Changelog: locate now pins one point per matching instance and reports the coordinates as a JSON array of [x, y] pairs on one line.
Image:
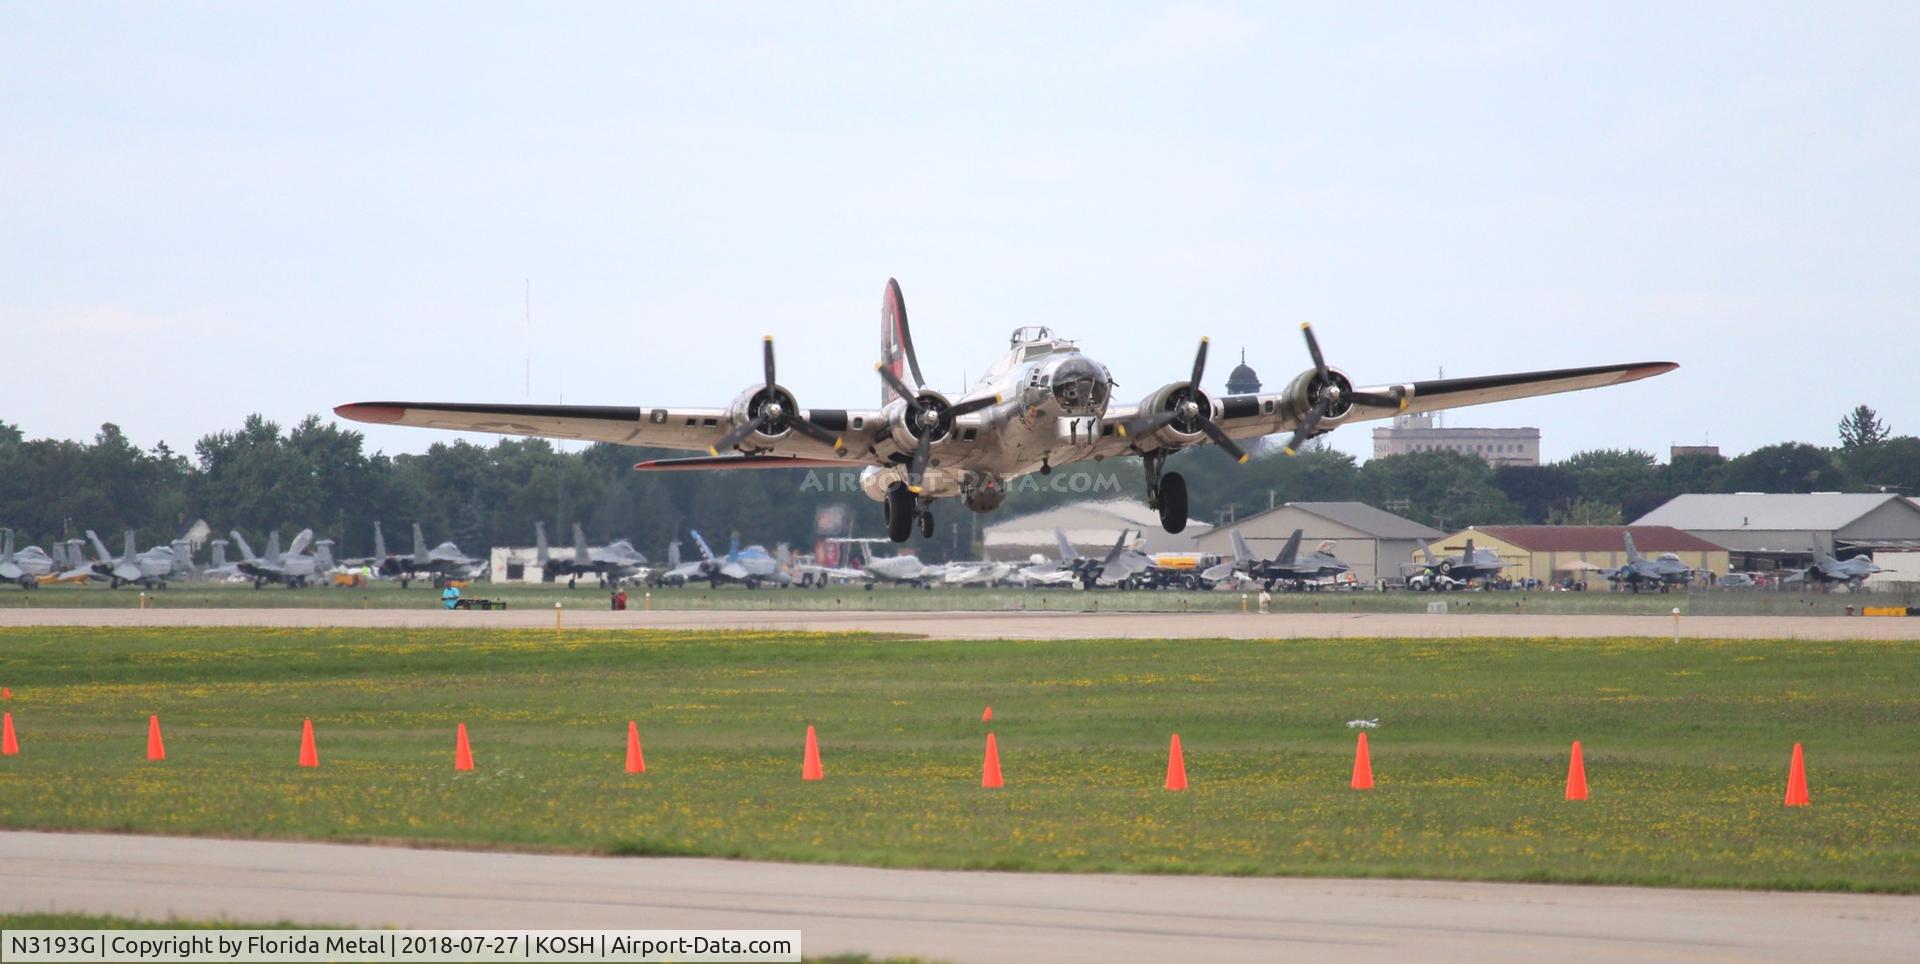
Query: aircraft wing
[[1254, 416], [685, 429]]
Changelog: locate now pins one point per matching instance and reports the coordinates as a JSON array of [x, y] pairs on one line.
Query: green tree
[[1585, 512], [1862, 428], [1446, 490], [1893, 464], [1786, 467], [1612, 476]]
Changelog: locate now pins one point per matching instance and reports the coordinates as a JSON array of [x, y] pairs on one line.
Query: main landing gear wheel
[[899, 509], [1173, 502], [926, 525]]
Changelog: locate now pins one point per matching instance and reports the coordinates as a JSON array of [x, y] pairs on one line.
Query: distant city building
[[1418, 433], [1707, 450], [1243, 381]]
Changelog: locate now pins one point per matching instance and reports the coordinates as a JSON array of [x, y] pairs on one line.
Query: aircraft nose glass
[[1079, 389]]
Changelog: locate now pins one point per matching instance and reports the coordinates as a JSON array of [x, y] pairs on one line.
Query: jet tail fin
[[1466, 555], [705, 552], [896, 342], [99, 548], [1291, 550], [1242, 553], [246, 551], [582, 555], [323, 555], [379, 545], [540, 556], [1067, 552], [1633, 552], [673, 554], [300, 542], [419, 545], [219, 552], [6, 554], [132, 548]]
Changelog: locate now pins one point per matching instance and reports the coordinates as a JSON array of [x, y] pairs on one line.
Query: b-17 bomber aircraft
[[1044, 404]]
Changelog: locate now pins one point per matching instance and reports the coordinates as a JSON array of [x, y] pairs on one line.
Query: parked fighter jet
[[1289, 569], [25, 567], [1830, 571], [611, 563], [443, 562], [677, 573], [751, 567], [1043, 404], [1452, 572], [1115, 569], [219, 568], [1663, 572], [902, 569], [150, 569], [293, 569], [70, 564]]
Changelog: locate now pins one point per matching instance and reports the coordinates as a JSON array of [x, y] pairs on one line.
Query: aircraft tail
[[705, 552], [419, 546], [273, 547], [1242, 553], [1466, 556], [733, 547], [379, 545], [1633, 552], [6, 553], [1067, 552], [246, 551], [896, 342], [132, 548], [1823, 550], [219, 552], [59, 555], [540, 555], [301, 542], [1290, 551], [582, 555], [323, 555], [99, 548], [183, 554], [1426, 553], [673, 554]]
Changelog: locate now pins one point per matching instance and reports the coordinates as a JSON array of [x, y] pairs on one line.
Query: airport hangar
[[1091, 527], [1373, 541], [1766, 531], [1550, 553]]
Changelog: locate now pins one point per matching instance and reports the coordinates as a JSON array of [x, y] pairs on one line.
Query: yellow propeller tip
[[1306, 325], [1289, 450], [1120, 430], [913, 489], [839, 443], [1204, 339], [1403, 404], [997, 399], [713, 451], [1243, 457], [766, 337]]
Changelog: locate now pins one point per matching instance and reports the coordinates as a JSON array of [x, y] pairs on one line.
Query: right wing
[[684, 429]]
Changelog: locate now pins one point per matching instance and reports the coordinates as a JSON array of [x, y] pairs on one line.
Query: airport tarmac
[[944, 915], [1020, 624]]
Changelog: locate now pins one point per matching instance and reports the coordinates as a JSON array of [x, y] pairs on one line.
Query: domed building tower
[[1243, 381]]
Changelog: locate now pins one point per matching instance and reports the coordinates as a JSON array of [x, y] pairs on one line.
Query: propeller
[[1183, 405], [772, 417], [1327, 394], [927, 415]]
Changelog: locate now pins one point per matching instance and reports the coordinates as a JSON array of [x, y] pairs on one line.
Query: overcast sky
[[211, 210]]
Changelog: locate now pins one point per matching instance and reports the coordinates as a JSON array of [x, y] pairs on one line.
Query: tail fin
[[1242, 553], [246, 551], [99, 548], [1290, 551], [1466, 555], [540, 556], [132, 549], [896, 342], [6, 554], [1633, 553], [59, 555], [705, 552], [581, 554], [1067, 552], [419, 545], [379, 545], [273, 547], [183, 555], [219, 552], [1426, 553], [673, 554], [1823, 549], [733, 546], [301, 542], [1118, 545], [323, 555]]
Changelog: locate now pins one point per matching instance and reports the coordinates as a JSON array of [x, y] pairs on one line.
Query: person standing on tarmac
[[450, 596]]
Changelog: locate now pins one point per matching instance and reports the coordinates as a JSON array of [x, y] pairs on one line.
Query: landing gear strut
[[1166, 492]]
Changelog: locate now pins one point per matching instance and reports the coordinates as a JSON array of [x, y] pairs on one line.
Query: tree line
[[262, 477]]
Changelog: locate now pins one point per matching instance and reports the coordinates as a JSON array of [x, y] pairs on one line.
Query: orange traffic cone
[[1797, 780], [309, 754], [156, 747], [9, 744], [1362, 766], [636, 761], [987, 717], [5, 693], [810, 767], [1176, 765], [990, 769], [462, 753], [1577, 775]]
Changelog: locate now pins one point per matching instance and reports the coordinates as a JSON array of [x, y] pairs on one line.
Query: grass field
[[520, 595], [1686, 750]]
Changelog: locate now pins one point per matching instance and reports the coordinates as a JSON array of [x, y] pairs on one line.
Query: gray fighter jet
[[1452, 572], [151, 569], [1289, 569], [614, 562], [1662, 572], [25, 567], [294, 568], [1829, 571], [442, 563]]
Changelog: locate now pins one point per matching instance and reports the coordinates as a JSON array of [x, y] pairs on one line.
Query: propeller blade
[[893, 381], [818, 434], [733, 438], [1144, 425], [767, 350], [1199, 363], [1313, 348], [1304, 431], [922, 450], [1222, 439], [972, 405]]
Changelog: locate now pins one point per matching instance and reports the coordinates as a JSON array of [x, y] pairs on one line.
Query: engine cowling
[[1308, 387], [928, 415], [1182, 430], [752, 403]]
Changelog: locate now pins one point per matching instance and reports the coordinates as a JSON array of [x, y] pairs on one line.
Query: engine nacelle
[[1183, 430], [1308, 387], [931, 408], [749, 405]]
